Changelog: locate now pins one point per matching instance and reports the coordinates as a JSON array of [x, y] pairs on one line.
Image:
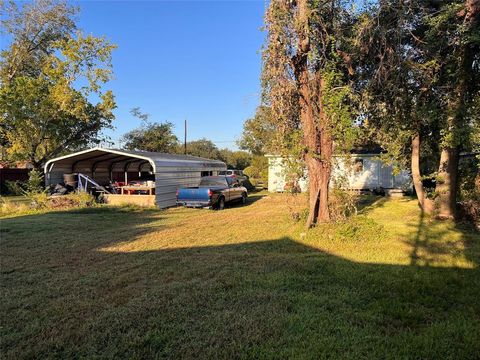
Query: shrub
[[256, 175], [342, 204], [296, 206], [248, 185], [35, 182], [39, 200], [42, 202], [252, 172], [16, 188], [470, 211], [33, 185], [79, 199], [354, 229], [469, 180]]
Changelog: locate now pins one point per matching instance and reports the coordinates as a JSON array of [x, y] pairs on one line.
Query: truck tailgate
[[192, 195]]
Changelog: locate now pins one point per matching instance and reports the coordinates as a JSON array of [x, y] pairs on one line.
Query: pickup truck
[[213, 192]]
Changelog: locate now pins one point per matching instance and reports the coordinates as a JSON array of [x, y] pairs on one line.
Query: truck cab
[[212, 192]]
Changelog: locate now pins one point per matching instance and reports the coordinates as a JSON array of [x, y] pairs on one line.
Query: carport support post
[[126, 178]]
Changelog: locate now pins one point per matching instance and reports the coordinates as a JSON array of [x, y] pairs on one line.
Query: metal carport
[[171, 171]]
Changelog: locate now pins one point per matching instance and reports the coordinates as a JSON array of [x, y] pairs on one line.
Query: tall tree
[[49, 74], [421, 69], [306, 77], [150, 136], [259, 133], [453, 42]]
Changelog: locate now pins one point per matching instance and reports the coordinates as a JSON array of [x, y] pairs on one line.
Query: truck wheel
[[221, 204], [244, 199]]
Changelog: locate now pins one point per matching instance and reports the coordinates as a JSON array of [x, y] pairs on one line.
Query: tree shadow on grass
[[57, 231], [430, 240], [251, 199], [435, 239], [273, 298], [368, 202], [254, 197]]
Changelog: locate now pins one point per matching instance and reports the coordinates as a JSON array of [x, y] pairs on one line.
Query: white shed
[[366, 172], [167, 171]]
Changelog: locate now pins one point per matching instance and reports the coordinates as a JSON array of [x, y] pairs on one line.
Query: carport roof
[[98, 154]]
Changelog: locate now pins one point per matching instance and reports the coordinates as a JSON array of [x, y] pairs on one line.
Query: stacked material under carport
[[171, 171]]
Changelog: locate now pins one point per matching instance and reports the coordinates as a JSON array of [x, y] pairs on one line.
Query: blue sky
[[198, 60]]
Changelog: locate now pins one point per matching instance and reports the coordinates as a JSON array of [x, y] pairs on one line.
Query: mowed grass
[[240, 283]]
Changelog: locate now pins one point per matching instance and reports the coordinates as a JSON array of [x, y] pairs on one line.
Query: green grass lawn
[[240, 283]]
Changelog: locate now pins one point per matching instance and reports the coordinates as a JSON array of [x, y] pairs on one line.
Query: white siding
[[373, 175], [276, 175]]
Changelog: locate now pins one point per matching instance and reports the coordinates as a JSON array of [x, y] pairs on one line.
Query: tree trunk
[[317, 190], [323, 210], [319, 143], [448, 168], [427, 205], [316, 134], [314, 190], [309, 127], [447, 183], [326, 153]]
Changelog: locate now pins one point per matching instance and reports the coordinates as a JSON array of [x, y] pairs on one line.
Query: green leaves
[[157, 137], [259, 132], [50, 73], [337, 98]]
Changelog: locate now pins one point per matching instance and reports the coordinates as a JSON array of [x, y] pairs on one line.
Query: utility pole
[[185, 140]]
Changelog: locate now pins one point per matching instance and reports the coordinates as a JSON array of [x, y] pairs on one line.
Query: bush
[[256, 177], [296, 207], [42, 202], [249, 185], [33, 185], [355, 229], [252, 172], [10, 208], [469, 180], [470, 211], [16, 188], [342, 204], [39, 200], [79, 199], [35, 182], [258, 171]]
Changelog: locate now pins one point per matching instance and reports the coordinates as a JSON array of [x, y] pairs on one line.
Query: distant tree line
[[159, 137]]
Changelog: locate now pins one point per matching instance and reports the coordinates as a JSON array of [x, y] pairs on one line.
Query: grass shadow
[[435, 239], [269, 298]]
